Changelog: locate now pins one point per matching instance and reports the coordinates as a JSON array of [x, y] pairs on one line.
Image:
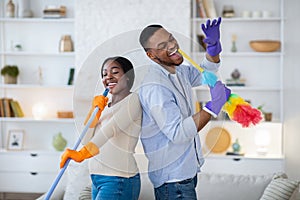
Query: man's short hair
[[147, 33]]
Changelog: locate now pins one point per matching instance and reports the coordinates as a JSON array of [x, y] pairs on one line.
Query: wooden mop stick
[[191, 60]]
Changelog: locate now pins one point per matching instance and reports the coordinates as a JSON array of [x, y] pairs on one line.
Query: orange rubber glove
[[88, 151], [101, 102]]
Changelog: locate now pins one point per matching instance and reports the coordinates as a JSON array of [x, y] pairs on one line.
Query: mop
[[236, 107], [58, 177]]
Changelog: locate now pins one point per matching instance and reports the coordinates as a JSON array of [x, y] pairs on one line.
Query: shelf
[[24, 53], [247, 156], [32, 120], [243, 54], [31, 86], [243, 88], [38, 20], [30, 151], [230, 123], [240, 19]]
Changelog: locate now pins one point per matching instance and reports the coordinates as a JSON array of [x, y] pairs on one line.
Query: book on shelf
[[10, 108], [210, 9], [17, 110], [200, 9], [54, 12], [1, 108], [7, 108]]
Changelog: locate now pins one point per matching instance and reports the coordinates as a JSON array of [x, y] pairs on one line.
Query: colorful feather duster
[[236, 107]]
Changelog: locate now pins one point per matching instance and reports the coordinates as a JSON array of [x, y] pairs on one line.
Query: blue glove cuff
[[207, 108]]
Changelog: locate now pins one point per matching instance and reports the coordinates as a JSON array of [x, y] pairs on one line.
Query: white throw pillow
[[280, 188], [78, 179], [86, 193]]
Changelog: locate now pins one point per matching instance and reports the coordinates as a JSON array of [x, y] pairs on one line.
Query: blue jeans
[[115, 187], [178, 190]]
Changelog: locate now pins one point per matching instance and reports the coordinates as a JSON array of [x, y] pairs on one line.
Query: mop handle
[[58, 177], [191, 60]]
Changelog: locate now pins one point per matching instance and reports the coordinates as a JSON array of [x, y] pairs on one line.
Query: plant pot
[[10, 79], [268, 117]]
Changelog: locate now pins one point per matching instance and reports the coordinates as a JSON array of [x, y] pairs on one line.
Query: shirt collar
[[162, 69]]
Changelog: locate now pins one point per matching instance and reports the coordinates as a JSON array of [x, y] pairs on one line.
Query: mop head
[[237, 108], [241, 111]]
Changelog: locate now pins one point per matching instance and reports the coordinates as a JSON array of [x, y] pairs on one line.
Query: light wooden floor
[[18, 196]]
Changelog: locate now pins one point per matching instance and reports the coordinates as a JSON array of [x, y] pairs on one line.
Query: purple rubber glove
[[219, 95], [212, 32]]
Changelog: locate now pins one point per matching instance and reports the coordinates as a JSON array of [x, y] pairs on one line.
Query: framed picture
[[15, 139]]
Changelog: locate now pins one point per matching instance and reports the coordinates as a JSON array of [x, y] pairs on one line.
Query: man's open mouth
[[173, 52]]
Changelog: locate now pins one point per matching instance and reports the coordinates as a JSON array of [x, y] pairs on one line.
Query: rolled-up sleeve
[[210, 66]]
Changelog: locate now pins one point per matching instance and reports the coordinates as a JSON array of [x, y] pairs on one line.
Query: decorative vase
[[10, 79], [59, 142], [236, 147], [233, 47], [65, 44], [268, 116], [235, 74], [24, 8], [10, 9]]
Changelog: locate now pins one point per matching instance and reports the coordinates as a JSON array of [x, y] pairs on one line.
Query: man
[[170, 127]]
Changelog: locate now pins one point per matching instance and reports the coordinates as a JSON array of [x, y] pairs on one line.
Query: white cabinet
[[43, 80], [27, 171], [242, 165], [34, 168]]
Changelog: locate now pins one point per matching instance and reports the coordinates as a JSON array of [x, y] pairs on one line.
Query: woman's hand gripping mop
[[237, 108], [87, 151]]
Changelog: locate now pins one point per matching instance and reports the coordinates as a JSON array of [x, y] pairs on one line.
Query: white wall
[[97, 21], [292, 89], [105, 28]]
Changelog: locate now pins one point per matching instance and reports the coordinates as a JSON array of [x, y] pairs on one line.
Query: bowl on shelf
[[65, 114], [265, 45]]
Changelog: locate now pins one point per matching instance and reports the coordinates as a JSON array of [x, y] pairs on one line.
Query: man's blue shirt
[[169, 134]]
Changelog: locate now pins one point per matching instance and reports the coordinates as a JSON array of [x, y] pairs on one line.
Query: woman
[[113, 169]]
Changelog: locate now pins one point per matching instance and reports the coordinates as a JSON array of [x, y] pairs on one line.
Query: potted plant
[[267, 115], [10, 73], [18, 47]]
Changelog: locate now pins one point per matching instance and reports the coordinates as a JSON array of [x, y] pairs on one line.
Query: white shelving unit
[[39, 38], [262, 71]]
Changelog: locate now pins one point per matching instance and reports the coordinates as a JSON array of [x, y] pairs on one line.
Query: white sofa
[[211, 186]]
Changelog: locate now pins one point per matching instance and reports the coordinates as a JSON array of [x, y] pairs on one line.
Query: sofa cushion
[[225, 186], [77, 179], [280, 188], [86, 193]]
